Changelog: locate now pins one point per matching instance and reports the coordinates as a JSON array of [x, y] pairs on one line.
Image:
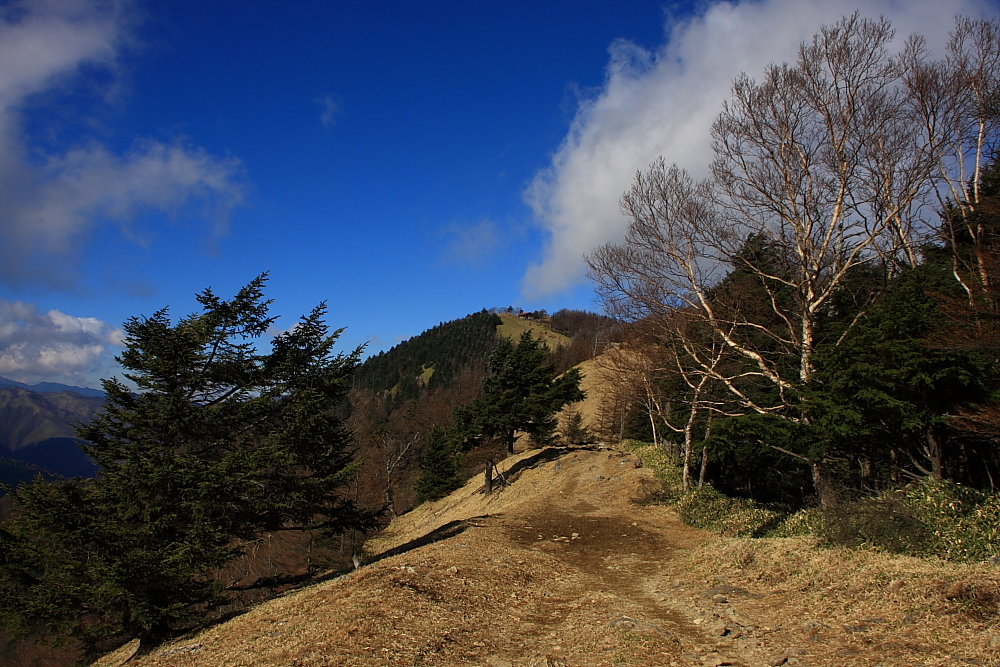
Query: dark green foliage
[[447, 348], [222, 443], [439, 466], [521, 393], [884, 392], [883, 521], [14, 473], [878, 403], [747, 463]]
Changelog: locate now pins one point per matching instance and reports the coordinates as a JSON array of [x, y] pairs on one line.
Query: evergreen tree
[[221, 443], [521, 393], [439, 466]]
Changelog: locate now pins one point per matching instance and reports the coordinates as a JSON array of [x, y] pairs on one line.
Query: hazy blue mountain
[[15, 472], [40, 429], [51, 388]]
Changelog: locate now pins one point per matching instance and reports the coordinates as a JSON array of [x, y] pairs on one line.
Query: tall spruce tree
[[521, 393], [439, 465], [221, 443]]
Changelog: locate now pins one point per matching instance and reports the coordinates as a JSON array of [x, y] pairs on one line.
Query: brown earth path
[[564, 567]]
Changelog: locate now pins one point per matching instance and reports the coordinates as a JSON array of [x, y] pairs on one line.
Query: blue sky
[[408, 163]]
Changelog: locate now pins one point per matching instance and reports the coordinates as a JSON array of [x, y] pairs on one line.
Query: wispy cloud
[[36, 345], [663, 102], [331, 106], [469, 243], [50, 202]]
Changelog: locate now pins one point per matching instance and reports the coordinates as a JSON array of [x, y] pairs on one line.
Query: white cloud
[[53, 346], [664, 102], [49, 204]]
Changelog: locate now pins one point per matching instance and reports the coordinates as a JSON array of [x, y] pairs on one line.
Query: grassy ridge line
[[926, 518], [513, 326]]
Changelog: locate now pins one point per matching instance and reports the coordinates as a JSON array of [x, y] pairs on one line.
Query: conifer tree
[[521, 393], [575, 433], [439, 466], [221, 443]]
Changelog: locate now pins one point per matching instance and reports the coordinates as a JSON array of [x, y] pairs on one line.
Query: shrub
[[964, 523], [884, 522]]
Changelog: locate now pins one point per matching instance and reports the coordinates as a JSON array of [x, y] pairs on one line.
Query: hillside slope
[[27, 417], [40, 429], [563, 568], [513, 326]]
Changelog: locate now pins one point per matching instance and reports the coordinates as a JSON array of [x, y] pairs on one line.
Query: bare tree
[[835, 164], [820, 168], [956, 104], [655, 362], [820, 162]]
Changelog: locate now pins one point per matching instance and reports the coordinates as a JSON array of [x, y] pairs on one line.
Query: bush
[[659, 461], [709, 509], [883, 522], [964, 523], [807, 521], [927, 518]]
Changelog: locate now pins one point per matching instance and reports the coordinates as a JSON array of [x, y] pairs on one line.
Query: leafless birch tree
[[822, 167], [956, 103]]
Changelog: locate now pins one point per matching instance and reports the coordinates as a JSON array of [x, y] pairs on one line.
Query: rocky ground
[[570, 565]]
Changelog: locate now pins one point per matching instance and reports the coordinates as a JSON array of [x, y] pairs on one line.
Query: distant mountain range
[[38, 430], [51, 388]]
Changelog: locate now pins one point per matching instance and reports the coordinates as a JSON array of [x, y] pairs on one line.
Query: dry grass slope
[[571, 565], [513, 326]]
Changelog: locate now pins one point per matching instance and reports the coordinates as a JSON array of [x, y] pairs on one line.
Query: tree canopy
[[798, 295], [220, 443], [520, 393]]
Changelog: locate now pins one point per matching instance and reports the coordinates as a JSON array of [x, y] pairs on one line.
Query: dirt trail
[[561, 568]]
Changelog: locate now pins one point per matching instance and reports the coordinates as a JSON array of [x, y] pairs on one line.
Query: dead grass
[[897, 609], [513, 326], [566, 567]]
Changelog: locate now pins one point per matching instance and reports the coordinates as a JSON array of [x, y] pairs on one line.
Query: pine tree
[[575, 433], [220, 443]]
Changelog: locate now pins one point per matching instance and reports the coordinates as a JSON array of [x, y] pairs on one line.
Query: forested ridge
[[399, 396], [438, 354]]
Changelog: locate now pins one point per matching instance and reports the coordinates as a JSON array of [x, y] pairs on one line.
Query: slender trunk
[[151, 638], [805, 361], [686, 466], [704, 466], [652, 423], [935, 455], [488, 488], [390, 501], [704, 453], [688, 445], [865, 467]]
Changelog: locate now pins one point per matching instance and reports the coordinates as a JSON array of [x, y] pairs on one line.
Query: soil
[[572, 565]]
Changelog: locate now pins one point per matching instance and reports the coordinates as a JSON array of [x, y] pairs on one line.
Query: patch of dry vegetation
[[578, 562], [860, 603], [513, 326]]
